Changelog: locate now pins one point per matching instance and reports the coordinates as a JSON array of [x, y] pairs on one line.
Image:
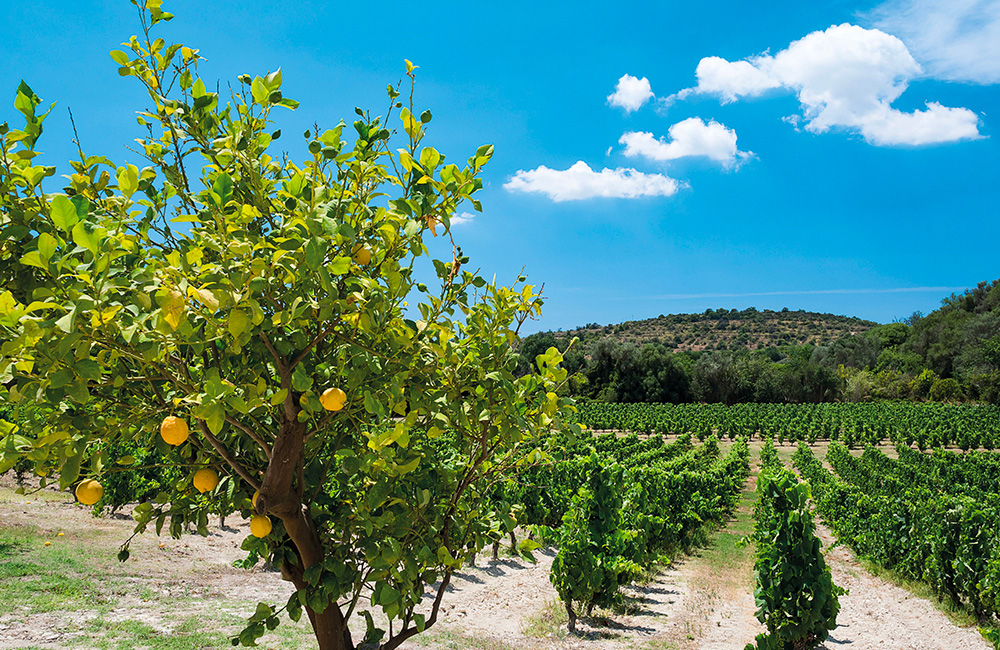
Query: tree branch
[[226, 456]]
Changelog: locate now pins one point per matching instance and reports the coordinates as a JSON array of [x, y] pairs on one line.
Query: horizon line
[[805, 292]]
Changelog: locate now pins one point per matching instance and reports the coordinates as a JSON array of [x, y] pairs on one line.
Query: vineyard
[[926, 426], [931, 518], [615, 506]]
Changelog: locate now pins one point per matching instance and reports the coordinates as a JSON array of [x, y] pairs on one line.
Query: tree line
[[951, 354]]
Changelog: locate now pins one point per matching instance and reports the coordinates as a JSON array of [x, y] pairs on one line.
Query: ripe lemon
[[253, 499], [362, 255], [174, 430], [260, 526], [205, 479], [333, 399], [89, 492]]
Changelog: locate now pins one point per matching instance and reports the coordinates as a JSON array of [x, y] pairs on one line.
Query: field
[[186, 593]]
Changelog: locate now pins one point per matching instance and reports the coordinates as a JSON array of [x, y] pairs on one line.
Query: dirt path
[[879, 615]]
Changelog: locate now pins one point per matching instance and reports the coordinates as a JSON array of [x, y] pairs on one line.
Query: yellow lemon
[[260, 526], [333, 399], [205, 479], [362, 255], [61, 535], [174, 430], [89, 492], [48, 543], [253, 499]]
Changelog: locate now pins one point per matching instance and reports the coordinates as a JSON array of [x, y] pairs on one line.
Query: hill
[[723, 329]]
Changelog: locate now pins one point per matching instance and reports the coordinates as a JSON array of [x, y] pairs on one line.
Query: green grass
[[128, 634], [39, 578], [549, 623], [455, 641], [80, 576]]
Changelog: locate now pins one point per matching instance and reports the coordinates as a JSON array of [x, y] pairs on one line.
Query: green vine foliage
[[795, 594], [592, 563]]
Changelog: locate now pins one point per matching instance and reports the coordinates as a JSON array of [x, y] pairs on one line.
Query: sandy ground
[[509, 601]]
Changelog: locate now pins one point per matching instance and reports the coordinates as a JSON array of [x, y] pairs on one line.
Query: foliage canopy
[[230, 286]]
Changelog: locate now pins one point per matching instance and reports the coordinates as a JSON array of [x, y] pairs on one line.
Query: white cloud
[[462, 219], [582, 182], [846, 77], [690, 137], [935, 125], [631, 93], [730, 79], [957, 40]]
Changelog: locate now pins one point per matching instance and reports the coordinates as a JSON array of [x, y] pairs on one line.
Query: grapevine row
[[927, 425]]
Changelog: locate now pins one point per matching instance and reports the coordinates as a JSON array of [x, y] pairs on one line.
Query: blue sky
[[651, 158]]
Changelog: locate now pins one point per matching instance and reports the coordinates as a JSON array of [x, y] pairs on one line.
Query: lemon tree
[[207, 301]]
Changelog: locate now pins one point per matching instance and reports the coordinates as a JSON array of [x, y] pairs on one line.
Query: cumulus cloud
[[730, 80], [582, 182], [936, 125], [957, 40], [690, 137], [462, 219], [846, 77], [631, 93]]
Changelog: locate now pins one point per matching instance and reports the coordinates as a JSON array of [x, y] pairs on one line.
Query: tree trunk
[[329, 625], [277, 497], [513, 543], [496, 550], [572, 616]]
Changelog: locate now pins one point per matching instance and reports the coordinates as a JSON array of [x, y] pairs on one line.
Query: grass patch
[[39, 578], [551, 622], [129, 633], [455, 641]]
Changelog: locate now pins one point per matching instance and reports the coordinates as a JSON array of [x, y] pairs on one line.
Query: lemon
[[174, 430], [362, 255], [333, 399], [89, 492], [253, 499], [260, 526], [205, 479]]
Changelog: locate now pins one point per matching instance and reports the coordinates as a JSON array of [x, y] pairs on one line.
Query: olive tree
[[271, 308]]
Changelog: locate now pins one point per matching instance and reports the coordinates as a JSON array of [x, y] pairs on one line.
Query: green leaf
[[301, 379], [223, 188], [47, 246], [119, 57], [128, 180], [172, 307], [88, 369], [214, 415], [239, 322], [68, 322], [70, 470], [339, 265], [33, 258], [315, 252], [85, 236], [64, 213], [259, 91]]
